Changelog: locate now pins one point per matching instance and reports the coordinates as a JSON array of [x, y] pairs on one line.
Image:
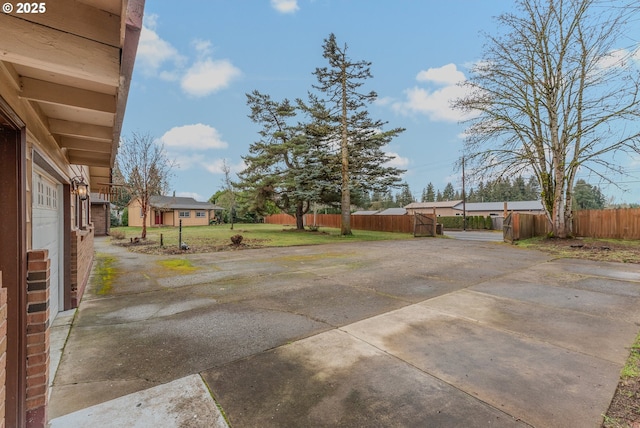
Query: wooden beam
[[12, 75], [81, 130], [131, 37], [88, 22], [85, 145], [38, 46], [79, 157], [53, 93]]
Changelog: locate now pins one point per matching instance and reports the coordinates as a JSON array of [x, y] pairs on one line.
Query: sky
[[197, 59]]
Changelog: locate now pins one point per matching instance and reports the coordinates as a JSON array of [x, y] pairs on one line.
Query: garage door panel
[[46, 231]]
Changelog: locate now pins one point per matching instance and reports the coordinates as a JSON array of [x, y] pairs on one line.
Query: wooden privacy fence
[[518, 226], [380, 223], [616, 224]]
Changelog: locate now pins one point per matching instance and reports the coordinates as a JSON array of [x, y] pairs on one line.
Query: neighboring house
[[169, 210], [442, 208], [496, 209], [456, 208], [392, 211], [64, 81], [365, 212]]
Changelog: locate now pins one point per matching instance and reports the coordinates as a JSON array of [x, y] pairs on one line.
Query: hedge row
[[473, 222]]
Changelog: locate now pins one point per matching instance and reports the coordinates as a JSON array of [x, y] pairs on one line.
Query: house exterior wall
[[81, 261], [192, 220], [440, 211], [3, 352], [38, 331], [170, 217], [135, 219], [101, 218], [23, 402]]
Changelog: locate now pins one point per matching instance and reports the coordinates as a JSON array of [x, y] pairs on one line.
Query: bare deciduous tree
[[146, 169], [555, 93]]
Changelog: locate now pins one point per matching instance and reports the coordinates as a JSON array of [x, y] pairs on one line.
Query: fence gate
[[424, 225], [507, 228]]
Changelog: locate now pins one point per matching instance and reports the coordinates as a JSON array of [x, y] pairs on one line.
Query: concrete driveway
[[425, 332]]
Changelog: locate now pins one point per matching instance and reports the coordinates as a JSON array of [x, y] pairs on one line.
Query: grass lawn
[[218, 237]]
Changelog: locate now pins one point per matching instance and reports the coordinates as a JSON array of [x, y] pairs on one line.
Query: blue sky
[[197, 60]]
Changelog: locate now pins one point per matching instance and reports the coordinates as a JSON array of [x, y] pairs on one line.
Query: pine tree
[[279, 166], [347, 121], [448, 194]]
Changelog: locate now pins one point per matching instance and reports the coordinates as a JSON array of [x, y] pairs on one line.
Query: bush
[[115, 222], [125, 217], [236, 239], [117, 234], [488, 223]]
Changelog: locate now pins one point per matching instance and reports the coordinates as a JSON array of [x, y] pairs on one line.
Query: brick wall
[[101, 219], [3, 351], [81, 259], [38, 268]]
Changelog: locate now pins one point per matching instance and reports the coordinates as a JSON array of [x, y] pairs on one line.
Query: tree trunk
[[300, 215], [345, 203]]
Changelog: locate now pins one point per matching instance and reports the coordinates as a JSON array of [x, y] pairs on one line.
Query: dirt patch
[[153, 247], [589, 249], [624, 410]]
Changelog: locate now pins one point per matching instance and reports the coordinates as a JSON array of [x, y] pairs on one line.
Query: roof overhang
[[71, 67]]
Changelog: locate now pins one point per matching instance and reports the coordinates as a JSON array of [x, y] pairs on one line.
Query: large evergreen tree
[[347, 124], [279, 166]]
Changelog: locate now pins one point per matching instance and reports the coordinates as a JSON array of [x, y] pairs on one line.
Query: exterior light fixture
[[80, 188]]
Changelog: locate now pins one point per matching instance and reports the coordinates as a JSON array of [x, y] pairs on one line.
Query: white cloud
[[194, 195], [154, 52], [435, 103], [208, 76], [194, 137], [285, 6], [157, 57], [445, 75], [215, 166], [203, 47], [185, 161], [397, 161]]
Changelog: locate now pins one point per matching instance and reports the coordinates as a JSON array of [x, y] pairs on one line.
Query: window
[[201, 214], [184, 214]]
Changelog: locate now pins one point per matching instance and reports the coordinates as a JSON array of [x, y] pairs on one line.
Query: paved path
[[426, 332], [475, 235]]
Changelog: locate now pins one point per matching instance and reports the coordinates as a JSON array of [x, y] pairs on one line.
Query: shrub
[[236, 239], [488, 223], [117, 234], [125, 217]]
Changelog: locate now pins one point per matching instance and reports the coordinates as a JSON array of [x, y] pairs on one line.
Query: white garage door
[[47, 232]]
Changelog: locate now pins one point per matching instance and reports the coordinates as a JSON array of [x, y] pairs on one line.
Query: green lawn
[[265, 235]]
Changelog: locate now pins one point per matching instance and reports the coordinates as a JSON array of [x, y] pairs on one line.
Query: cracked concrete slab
[[434, 332]]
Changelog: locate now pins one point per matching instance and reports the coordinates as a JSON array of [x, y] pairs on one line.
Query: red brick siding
[[81, 259], [3, 352], [38, 268]]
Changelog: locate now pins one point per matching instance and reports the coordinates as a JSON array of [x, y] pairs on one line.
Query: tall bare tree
[[229, 188], [146, 169], [556, 92]]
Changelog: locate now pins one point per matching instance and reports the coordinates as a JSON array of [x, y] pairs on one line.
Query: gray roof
[[440, 204], [393, 211], [499, 206], [363, 212], [178, 202]]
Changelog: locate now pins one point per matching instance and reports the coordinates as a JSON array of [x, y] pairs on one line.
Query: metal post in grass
[[180, 235], [161, 241]]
